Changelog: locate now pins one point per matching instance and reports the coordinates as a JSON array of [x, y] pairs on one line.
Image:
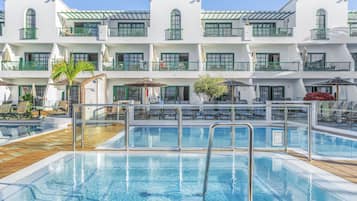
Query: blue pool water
[[12, 132], [264, 137], [171, 177]]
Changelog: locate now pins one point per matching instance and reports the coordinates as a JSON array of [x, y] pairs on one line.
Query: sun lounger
[[5, 111]]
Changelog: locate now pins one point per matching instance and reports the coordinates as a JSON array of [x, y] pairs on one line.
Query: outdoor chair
[[5, 111], [22, 110], [60, 109]]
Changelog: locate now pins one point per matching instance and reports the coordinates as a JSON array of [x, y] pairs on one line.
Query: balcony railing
[[227, 66], [173, 34], [127, 32], [353, 31], [328, 66], [319, 34], [223, 32], [23, 66], [125, 66], [175, 66], [28, 33], [273, 32], [79, 32], [277, 66]]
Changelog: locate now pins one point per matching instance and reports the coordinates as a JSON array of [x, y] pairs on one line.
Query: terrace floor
[[18, 155]]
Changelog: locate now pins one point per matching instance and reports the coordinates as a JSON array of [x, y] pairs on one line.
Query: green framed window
[[36, 60], [75, 94], [89, 57], [220, 61], [323, 89], [175, 61], [218, 29], [30, 19], [264, 29], [129, 61], [86, 28], [267, 61], [315, 61], [131, 29], [175, 94], [27, 89], [127, 93], [271, 93], [321, 19]]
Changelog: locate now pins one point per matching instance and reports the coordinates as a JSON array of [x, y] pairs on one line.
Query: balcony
[[328, 66], [28, 34], [278, 66], [228, 66], [173, 34], [78, 32], [125, 66], [353, 31], [223, 32], [319, 34], [273, 32], [23, 66], [129, 32], [175, 66]]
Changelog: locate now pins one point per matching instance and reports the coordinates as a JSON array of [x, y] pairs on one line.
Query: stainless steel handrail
[[180, 128], [127, 127], [250, 156]]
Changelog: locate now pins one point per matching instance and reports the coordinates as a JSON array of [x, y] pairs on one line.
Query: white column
[[151, 57]]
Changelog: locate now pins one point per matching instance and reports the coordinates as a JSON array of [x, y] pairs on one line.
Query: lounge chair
[[22, 110], [60, 109], [5, 110]]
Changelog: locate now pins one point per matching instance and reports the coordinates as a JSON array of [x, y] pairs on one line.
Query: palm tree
[[69, 71]]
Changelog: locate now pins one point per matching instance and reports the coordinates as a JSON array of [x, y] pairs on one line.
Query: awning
[[245, 15], [105, 15]]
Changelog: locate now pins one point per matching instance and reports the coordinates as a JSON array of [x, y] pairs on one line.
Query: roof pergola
[[105, 15], [245, 15]]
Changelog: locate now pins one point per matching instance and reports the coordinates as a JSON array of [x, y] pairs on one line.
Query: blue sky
[[207, 4]]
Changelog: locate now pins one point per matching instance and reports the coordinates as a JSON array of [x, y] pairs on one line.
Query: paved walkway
[[18, 155]]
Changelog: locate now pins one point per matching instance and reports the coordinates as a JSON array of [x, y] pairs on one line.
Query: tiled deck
[[19, 155]]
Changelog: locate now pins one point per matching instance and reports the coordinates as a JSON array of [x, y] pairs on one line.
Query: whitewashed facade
[[282, 53]]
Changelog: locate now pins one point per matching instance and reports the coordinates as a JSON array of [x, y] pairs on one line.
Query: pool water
[[12, 132], [173, 177], [324, 144]]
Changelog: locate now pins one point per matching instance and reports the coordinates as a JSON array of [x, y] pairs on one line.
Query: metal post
[[179, 127], [286, 113], [74, 129], [83, 125], [127, 116], [250, 156], [309, 133], [233, 130]]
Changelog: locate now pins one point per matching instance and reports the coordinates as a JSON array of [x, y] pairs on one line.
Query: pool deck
[[18, 155]]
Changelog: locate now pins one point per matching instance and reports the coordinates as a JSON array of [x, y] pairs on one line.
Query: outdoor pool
[[13, 132], [324, 144], [114, 176]]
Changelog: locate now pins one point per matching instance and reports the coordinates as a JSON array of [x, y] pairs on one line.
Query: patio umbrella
[[146, 83], [233, 84], [6, 56], [64, 83], [337, 82]]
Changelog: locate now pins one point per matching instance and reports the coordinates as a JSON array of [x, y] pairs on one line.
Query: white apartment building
[[281, 53]]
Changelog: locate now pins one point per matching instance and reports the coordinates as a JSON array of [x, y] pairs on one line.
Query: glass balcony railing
[[124, 66], [273, 32], [28, 33], [353, 31], [227, 66], [328, 66], [223, 32], [319, 34], [23, 66], [79, 32], [173, 34], [277, 66], [175, 66], [127, 32]]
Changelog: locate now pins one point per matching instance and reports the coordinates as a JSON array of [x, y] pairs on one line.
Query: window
[[271, 93], [354, 56], [218, 29], [220, 61], [321, 19], [315, 61], [30, 19], [175, 94], [323, 89], [127, 93], [27, 89], [130, 61], [353, 29], [39, 60], [90, 57], [131, 29], [86, 28], [268, 61], [263, 29], [174, 61], [175, 19]]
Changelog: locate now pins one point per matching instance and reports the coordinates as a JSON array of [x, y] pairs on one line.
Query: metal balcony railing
[[127, 66], [273, 32], [223, 32], [353, 31], [173, 34], [319, 34], [79, 32], [23, 66], [28, 33], [175, 66], [277, 66], [227, 66], [328, 66], [127, 32]]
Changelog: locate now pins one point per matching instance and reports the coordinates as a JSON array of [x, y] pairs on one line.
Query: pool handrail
[[250, 155]]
